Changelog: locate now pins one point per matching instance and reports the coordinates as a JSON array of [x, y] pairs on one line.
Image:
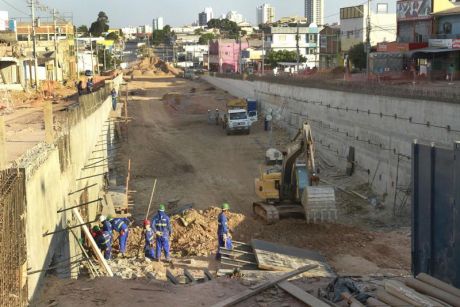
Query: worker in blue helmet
[[161, 226], [223, 232]]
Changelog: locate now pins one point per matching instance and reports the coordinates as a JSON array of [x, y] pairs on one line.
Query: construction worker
[[149, 240], [104, 241], [223, 232], [106, 225], [161, 226], [121, 226]]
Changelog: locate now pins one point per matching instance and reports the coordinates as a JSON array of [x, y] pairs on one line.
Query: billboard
[[413, 9]]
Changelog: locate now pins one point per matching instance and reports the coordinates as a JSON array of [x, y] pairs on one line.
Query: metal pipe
[[80, 205], [90, 176], [82, 189], [67, 228]]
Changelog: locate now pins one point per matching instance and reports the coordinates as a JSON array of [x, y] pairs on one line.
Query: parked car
[[88, 73]]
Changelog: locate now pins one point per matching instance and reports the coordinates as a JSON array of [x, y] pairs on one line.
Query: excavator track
[[267, 212]]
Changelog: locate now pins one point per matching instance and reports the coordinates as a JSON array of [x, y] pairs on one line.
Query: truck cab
[[238, 121]]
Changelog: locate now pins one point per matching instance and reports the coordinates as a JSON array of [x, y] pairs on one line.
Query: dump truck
[[235, 118], [292, 189]]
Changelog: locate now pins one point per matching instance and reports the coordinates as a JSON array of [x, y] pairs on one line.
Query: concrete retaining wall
[[381, 129], [54, 171]]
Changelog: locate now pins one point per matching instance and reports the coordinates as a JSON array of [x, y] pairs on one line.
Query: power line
[[14, 7]]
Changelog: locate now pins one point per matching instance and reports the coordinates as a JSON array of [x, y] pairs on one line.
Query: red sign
[[456, 43]]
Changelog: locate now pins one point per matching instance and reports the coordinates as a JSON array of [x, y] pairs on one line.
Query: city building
[[144, 29], [354, 25], [225, 55], [209, 13], [265, 14], [158, 23], [129, 32], [314, 11], [329, 47], [235, 16], [285, 38], [414, 20], [202, 19]]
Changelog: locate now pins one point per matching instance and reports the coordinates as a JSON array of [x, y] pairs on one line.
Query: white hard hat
[[102, 218]]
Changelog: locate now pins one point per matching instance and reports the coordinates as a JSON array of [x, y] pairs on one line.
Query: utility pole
[[297, 38], [263, 52], [368, 37], [105, 62], [34, 42], [76, 54], [92, 55], [55, 47]]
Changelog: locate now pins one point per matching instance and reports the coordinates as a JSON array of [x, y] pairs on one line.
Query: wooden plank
[[373, 302], [408, 295], [242, 296], [438, 284], [352, 302], [301, 295], [92, 243], [389, 299], [432, 291]]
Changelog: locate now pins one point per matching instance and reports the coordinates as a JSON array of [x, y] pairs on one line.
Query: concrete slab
[[276, 257]]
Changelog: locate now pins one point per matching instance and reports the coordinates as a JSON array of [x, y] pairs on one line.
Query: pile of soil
[[199, 237]]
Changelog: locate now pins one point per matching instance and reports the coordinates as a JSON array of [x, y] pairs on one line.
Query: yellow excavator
[[291, 190]]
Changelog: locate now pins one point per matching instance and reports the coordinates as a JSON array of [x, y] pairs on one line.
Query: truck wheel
[[228, 132], [248, 131]]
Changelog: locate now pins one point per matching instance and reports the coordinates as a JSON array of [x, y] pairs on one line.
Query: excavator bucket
[[319, 204]]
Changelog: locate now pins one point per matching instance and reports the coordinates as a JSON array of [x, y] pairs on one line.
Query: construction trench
[[106, 161]]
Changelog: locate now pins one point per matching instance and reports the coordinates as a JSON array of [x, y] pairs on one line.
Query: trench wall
[[52, 173], [381, 129]]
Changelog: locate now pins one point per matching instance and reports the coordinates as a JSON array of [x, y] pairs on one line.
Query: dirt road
[[195, 162]]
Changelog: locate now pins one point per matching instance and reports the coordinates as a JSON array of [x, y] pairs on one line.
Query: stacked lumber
[[423, 291]]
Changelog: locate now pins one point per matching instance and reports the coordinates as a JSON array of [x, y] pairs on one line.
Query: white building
[[353, 25], [235, 16], [144, 29], [265, 14], [209, 13], [314, 11], [285, 38], [129, 32], [158, 23]]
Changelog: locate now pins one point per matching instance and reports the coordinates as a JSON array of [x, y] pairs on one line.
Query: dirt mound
[[199, 237], [194, 233]]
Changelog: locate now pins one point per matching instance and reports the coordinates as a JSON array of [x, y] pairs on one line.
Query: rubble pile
[[195, 232], [153, 66]]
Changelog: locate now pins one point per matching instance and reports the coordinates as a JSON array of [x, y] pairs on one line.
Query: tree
[[164, 36], [113, 36], [275, 57], [205, 38], [357, 56], [100, 25], [83, 29], [198, 31], [228, 28]]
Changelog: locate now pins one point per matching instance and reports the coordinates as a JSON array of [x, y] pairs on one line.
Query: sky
[[123, 13]]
